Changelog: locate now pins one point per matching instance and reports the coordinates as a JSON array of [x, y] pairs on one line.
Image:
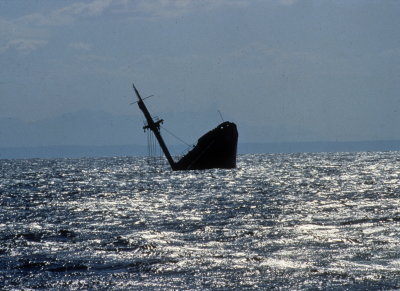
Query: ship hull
[[216, 149]]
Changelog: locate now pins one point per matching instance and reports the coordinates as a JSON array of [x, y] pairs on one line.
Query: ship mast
[[154, 126]]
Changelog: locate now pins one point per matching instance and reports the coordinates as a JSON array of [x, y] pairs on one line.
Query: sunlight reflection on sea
[[291, 221]]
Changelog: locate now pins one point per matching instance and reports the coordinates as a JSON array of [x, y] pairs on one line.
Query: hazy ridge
[[100, 134], [243, 148]]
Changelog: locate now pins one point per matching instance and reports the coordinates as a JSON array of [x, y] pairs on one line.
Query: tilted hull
[[215, 149]]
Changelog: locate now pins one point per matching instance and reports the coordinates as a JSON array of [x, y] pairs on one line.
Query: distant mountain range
[[87, 128], [78, 128], [95, 134], [243, 148]]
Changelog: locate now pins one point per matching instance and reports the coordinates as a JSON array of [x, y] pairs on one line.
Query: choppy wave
[[286, 221]]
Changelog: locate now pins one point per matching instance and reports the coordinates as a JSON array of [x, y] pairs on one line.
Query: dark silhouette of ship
[[215, 149]]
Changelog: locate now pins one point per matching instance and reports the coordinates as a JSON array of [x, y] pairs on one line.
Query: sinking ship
[[215, 149]]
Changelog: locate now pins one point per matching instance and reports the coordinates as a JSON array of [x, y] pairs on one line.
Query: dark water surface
[[285, 221]]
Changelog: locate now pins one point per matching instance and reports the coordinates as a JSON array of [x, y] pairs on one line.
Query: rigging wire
[[153, 149], [181, 140], [148, 147]]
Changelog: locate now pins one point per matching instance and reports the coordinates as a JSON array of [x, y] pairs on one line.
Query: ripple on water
[[292, 221]]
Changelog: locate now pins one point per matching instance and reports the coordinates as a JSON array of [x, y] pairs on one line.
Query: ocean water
[[284, 221]]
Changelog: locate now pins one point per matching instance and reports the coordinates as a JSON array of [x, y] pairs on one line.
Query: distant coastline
[[77, 151]]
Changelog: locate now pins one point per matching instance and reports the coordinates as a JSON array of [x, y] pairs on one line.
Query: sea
[[302, 221]]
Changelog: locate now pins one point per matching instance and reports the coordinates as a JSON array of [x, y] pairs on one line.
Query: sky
[[283, 70]]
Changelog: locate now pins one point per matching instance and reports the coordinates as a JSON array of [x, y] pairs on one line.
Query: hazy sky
[[304, 70]]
